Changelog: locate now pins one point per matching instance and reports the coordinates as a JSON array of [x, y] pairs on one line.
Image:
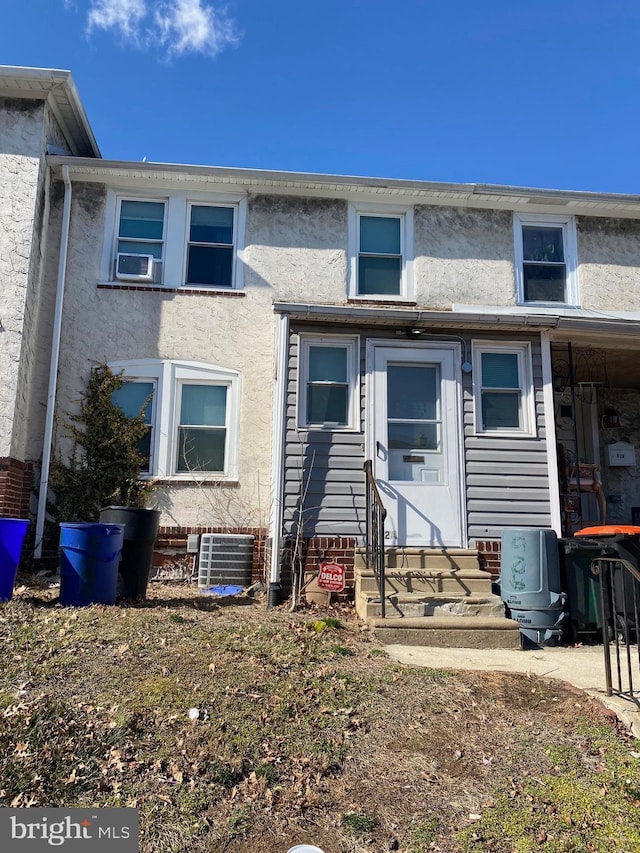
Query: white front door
[[415, 440]]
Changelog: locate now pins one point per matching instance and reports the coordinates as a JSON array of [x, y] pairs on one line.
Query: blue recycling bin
[[89, 557], [12, 533]]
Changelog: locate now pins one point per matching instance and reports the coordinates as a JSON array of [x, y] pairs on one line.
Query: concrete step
[[408, 605], [426, 582], [420, 559], [448, 632]]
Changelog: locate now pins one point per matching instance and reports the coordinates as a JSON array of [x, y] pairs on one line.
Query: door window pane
[[413, 426], [413, 436], [412, 391]]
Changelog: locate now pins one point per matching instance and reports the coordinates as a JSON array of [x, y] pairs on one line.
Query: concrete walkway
[[582, 667]]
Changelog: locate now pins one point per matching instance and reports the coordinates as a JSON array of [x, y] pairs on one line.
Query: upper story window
[[210, 247], [176, 241], [503, 392], [193, 416], [328, 373], [381, 252], [546, 259]]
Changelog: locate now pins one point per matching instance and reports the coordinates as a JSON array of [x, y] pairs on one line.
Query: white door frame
[[369, 427]]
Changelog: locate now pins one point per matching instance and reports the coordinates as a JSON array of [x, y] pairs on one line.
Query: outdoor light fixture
[[610, 419]]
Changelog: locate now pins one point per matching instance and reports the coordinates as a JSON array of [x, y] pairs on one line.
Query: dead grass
[[300, 730]]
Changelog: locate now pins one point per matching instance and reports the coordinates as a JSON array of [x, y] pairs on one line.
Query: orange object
[[609, 530]]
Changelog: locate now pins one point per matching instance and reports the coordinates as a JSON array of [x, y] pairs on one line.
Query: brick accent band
[[16, 480], [489, 556]]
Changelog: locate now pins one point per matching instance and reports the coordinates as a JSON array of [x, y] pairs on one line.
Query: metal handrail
[[374, 544], [620, 603]]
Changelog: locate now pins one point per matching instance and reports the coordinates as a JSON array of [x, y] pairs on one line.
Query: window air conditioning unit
[[134, 267]]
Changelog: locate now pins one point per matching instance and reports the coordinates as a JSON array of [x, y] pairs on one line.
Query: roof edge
[[57, 86]]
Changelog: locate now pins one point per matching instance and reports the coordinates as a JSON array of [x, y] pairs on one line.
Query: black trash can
[[582, 586], [140, 533], [622, 542]]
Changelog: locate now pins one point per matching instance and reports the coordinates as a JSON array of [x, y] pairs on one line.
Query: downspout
[[550, 429], [53, 366], [277, 456]]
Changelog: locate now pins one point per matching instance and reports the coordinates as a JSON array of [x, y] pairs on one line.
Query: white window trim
[[522, 350], [570, 246], [176, 235], [169, 376], [405, 214], [352, 345], [234, 207]]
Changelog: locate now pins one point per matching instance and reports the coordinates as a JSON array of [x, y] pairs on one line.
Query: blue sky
[[542, 93]]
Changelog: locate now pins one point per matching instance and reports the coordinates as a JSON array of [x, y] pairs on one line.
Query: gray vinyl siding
[[323, 468], [505, 480]]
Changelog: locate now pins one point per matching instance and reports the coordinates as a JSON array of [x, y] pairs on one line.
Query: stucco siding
[[236, 333], [463, 255], [21, 182], [609, 263], [296, 248]]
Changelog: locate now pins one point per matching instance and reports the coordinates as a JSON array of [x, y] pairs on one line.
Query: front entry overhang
[[560, 322]]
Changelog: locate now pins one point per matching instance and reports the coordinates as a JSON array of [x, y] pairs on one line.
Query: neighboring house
[[40, 112], [292, 326]]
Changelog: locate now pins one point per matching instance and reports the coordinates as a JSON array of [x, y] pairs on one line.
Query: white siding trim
[[550, 431]]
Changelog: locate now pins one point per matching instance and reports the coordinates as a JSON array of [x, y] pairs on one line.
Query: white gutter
[[277, 458], [53, 366], [550, 431]]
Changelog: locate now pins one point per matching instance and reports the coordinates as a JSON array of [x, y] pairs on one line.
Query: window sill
[[549, 305], [504, 433], [328, 428], [200, 482], [160, 288], [381, 300]]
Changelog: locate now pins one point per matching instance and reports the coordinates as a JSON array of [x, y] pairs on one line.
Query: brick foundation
[[16, 480], [170, 558], [489, 556], [339, 549]]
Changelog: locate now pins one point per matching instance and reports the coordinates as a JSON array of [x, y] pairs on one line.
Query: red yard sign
[[332, 577]]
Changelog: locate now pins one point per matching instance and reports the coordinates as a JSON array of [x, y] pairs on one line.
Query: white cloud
[[189, 26], [176, 26], [125, 16]]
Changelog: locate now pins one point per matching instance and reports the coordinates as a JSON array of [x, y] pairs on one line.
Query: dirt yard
[[233, 728]]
